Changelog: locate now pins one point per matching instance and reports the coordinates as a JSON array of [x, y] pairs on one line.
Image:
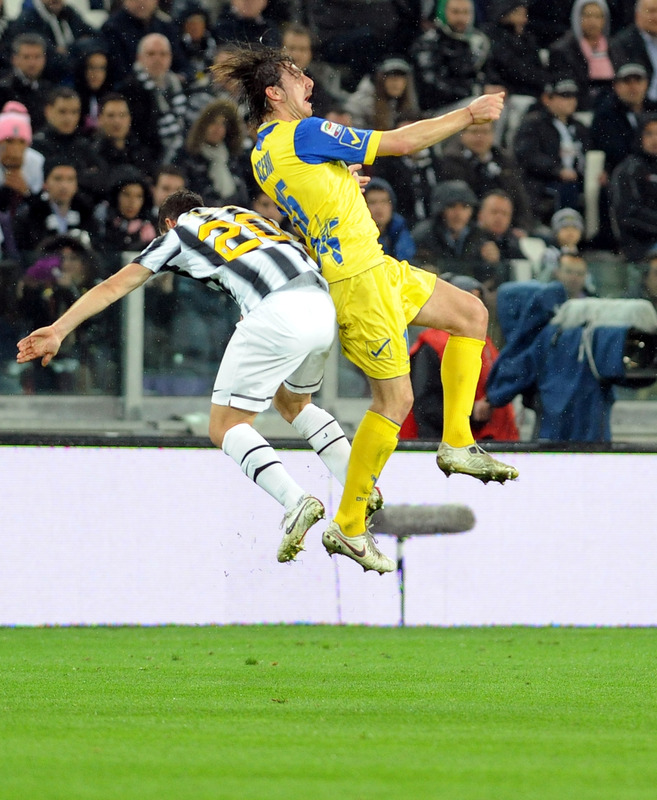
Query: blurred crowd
[[107, 107]]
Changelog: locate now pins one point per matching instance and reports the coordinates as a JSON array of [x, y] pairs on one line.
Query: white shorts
[[285, 339]]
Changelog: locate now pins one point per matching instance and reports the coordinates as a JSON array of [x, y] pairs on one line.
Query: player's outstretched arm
[[44, 343], [427, 132]]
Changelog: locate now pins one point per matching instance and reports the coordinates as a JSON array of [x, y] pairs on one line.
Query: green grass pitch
[[314, 713]]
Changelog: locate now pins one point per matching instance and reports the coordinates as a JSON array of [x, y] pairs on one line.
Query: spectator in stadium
[[550, 146], [413, 178], [646, 288], [426, 418], [156, 99], [494, 218], [338, 113], [167, 180], [356, 34], [62, 271], [58, 209], [246, 21], [128, 25], [24, 81], [21, 167], [379, 101], [298, 41], [394, 235], [473, 157], [161, 297], [549, 21], [210, 157], [62, 28], [567, 227], [449, 240], [573, 273], [198, 44], [92, 82], [514, 63], [581, 54], [200, 50], [634, 44], [114, 143], [449, 57], [614, 128], [633, 194], [124, 218], [283, 341], [60, 140], [266, 207]]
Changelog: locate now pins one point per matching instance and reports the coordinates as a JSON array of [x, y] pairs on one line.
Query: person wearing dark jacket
[[514, 62], [630, 44], [210, 158], [60, 140], [113, 141], [156, 99], [550, 146], [62, 28], [58, 209], [634, 195], [246, 22], [124, 218], [615, 125], [92, 81], [395, 237], [24, 82], [413, 178], [125, 28], [449, 240], [449, 58], [473, 157], [582, 53]]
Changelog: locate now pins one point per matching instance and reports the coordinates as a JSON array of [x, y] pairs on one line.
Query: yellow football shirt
[[302, 166]]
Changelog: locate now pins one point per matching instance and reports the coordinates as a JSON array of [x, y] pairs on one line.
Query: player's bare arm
[[427, 132], [44, 343]]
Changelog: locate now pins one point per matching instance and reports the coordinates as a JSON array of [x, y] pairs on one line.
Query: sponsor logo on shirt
[[332, 128], [351, 139]]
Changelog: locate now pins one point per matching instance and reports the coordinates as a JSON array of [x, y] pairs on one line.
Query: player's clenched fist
[[487, 108]]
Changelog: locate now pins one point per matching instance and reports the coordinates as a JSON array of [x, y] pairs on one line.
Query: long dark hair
[[253, 70], [216, 108]]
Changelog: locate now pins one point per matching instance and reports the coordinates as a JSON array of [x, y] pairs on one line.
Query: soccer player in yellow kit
[[301, 161]]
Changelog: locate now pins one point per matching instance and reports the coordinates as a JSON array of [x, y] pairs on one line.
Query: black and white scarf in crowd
[[61, 30], [170, 100]]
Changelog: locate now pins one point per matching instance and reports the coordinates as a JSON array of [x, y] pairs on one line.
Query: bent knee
[[395, 408], [217, 433], [475, 320]]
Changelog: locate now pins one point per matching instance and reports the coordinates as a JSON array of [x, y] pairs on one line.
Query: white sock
[[326, 437], [258, 461]]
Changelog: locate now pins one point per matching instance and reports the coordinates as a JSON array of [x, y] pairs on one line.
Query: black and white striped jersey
[[233, 250]]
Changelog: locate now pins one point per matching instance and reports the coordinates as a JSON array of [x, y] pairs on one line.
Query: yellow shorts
[[374, 309]]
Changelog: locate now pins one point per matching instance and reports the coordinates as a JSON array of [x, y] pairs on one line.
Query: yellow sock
[[374, 443], [459, 371]]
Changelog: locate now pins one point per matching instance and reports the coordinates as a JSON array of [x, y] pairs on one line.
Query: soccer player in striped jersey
[[300, 161], [276, 354]]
